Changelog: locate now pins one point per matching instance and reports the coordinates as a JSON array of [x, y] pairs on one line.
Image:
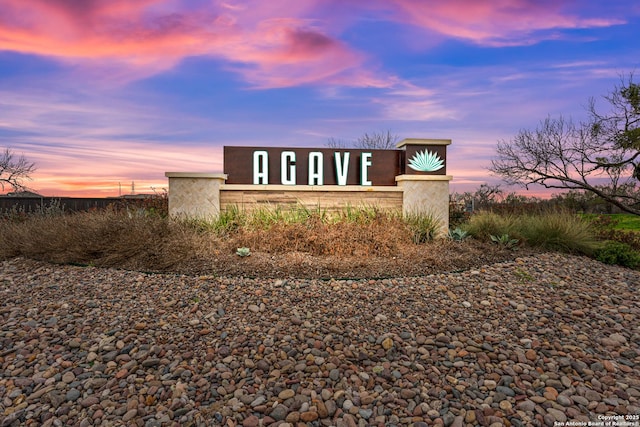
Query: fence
[[68, 204]]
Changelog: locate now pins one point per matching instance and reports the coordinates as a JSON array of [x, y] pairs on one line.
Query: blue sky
[[105, 92]]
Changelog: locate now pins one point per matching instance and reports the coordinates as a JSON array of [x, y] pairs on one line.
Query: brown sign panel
[[311, 166], [326, 166]]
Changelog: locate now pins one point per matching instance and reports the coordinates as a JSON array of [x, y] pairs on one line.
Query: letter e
[[365, 162]]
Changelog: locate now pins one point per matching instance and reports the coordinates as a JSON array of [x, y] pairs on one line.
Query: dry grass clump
[[105, 238], [361, 231], [142, 240], [381, 237]]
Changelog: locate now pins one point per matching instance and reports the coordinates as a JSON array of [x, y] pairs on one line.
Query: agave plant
[[504, 240], [426, 161], [458, 234], [243, 252]]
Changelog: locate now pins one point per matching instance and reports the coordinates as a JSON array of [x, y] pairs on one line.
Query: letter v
[[342, 167]]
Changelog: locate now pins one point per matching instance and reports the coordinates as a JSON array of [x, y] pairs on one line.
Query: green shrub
[[229, 220], [621, 228], [631, 238], [423, 227], [558, 231], [617, 253], [483, 225], [363, 214]]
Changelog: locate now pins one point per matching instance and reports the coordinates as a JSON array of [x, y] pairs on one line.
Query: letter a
[[260, 167], [316, 169]]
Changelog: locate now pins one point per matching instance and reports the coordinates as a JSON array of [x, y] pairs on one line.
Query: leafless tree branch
[[14, 170], [373, 141], [564, 155]]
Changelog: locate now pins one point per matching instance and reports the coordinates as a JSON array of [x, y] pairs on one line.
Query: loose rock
[[87, 346]]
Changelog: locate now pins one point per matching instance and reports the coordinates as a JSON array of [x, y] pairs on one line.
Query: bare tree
[[337, 143], [601, 156], [373, 141], [377, 141], [14, 170]]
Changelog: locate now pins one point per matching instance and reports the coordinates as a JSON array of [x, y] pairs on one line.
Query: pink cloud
[[278, 43], [272, 47], [496, 23], [285, 52]]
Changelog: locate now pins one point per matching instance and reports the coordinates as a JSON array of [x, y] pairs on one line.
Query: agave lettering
[[426, 161]]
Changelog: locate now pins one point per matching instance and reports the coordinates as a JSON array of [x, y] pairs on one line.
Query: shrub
[[229, 220], [601, 222], [104, 238], [54, 208], [156, 205], [483, 225], [613, 252], [558, 231], [631, 238], [326, 236], [423, 227], [362, 214], [14, 214], [621, 228], [458, 214]]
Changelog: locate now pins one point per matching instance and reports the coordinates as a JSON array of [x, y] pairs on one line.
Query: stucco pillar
[[426, 194], [195, 195]]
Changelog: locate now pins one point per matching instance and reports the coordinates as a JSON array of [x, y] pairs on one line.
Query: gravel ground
[[538, 341]]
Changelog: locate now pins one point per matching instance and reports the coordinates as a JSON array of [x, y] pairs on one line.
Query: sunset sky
[[100, 93]]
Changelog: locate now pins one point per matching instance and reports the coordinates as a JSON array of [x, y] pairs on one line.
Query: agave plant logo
[[426, 161]]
